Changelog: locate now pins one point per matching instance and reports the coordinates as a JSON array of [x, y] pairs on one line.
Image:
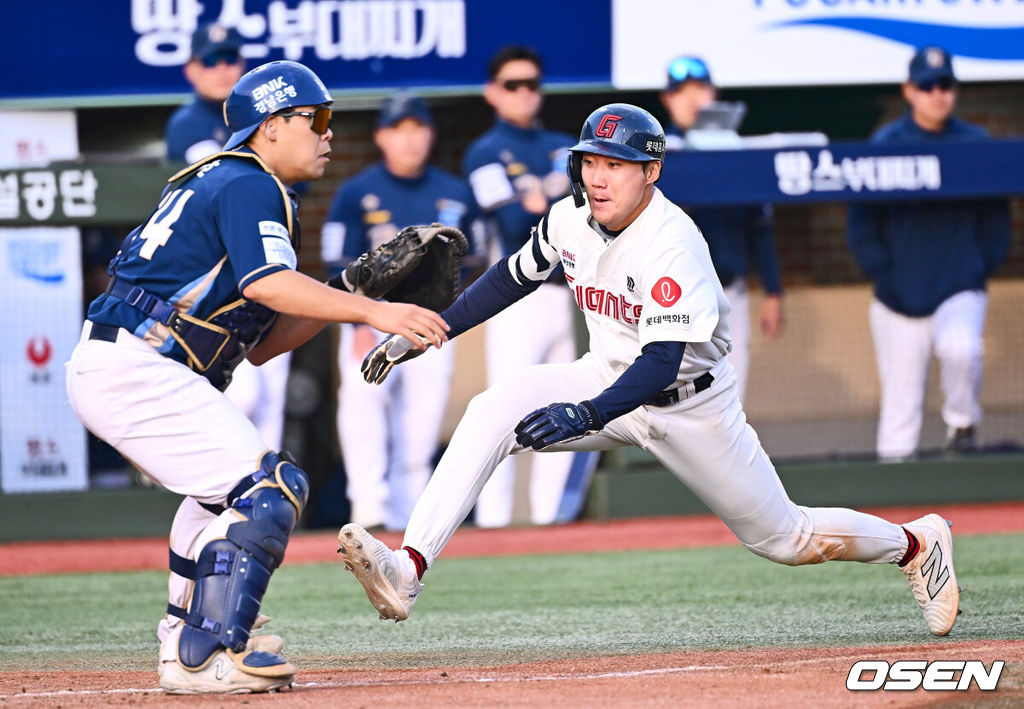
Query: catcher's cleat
[[223, 674], [388, 577], [931, 574]]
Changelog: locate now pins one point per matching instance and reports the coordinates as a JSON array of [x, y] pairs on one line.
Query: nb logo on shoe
[[935, 570], [222, 668]]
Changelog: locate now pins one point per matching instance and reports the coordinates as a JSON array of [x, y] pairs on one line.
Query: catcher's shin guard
[[232, 571]]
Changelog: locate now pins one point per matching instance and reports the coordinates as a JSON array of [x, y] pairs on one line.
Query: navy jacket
[[506, 162], [374, 205], [197, 122], [919, 253]]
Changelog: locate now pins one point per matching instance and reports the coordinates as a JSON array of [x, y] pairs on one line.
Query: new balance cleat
[[931, 574], [228, 673], [388, 577]]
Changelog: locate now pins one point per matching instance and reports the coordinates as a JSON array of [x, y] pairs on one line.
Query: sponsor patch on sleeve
[[278, 250], [268, 228], [491, 186], [666, 292]]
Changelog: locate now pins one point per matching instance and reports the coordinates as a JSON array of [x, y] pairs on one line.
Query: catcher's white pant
[[739, 331], [171, 424], [903, 349], [389, 433], [534, 330], [704, 440], [260, 393]]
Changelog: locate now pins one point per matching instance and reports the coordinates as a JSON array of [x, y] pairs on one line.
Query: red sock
[[913, 546], [418, 560]]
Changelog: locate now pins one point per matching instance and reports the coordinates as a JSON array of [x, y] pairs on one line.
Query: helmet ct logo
[[606, 128]]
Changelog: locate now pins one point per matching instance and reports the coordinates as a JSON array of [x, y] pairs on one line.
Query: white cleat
[[931, 574], [222, 674], [388, 577]]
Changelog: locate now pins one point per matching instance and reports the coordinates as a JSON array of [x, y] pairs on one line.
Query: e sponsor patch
[[278, 250]]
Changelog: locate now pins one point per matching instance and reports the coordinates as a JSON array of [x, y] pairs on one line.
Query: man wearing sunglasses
[[736, 236], [930, 261], [209, 279], [197, 129], [516, 171]]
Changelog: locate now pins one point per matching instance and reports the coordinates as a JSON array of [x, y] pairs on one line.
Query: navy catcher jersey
[[374, 205], [196, 130], [224, 226]]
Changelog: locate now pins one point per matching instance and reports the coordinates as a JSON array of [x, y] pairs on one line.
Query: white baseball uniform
[[654, 282]]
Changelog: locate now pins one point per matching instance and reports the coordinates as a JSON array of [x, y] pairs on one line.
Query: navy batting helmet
[[267, 89], [618, 130]]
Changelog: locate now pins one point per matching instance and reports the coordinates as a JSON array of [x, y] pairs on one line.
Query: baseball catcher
[[419, 266]]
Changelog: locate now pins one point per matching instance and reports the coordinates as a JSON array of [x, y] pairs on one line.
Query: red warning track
[[22, 558]]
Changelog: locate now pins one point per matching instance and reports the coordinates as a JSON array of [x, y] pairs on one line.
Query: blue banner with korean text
[[68, 49], [845, 172]]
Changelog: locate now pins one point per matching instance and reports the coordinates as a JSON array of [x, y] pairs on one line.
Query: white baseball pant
[[171, 424], [739, 332], [903, 349], [534, 330], [703, 440], [261, 392], [389, 433]]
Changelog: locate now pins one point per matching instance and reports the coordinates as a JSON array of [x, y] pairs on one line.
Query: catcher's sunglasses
[[319, 120]]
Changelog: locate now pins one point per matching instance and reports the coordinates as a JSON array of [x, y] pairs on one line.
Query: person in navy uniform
[[389, 434], [197, 129], [207, 280], [517, 170], [929, 261], [736, 236]]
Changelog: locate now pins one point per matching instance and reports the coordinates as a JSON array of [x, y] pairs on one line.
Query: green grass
[[516, 609]]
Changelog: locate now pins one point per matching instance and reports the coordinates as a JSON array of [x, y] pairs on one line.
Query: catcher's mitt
[[420, 265]]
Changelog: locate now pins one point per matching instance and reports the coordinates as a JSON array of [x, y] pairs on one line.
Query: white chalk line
[[399, 682]]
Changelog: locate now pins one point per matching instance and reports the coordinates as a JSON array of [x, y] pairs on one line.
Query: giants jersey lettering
[[653, 282]]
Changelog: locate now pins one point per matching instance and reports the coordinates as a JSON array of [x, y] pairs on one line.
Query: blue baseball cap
[[404, 105], [683, 69], [931, 64], [213, 40]]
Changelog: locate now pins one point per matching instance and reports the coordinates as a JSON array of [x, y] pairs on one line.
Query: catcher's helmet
[[618, 130], [264, 91]]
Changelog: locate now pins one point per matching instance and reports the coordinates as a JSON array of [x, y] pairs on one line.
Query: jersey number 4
[[161, 226]]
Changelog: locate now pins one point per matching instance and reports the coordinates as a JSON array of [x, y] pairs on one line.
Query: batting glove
[[557, 423], [393, 349]]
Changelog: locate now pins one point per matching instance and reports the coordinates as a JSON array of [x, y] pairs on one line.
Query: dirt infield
[[724, 679], [735, 678]]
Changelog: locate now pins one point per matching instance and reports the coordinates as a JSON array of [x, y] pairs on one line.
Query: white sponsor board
[[823, 42], [37, 138], [42, 444]]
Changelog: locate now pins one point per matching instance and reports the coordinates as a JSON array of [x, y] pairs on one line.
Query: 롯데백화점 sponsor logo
[[934, 676]]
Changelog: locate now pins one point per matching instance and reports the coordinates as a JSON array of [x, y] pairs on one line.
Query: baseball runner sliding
[[656, 377]]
